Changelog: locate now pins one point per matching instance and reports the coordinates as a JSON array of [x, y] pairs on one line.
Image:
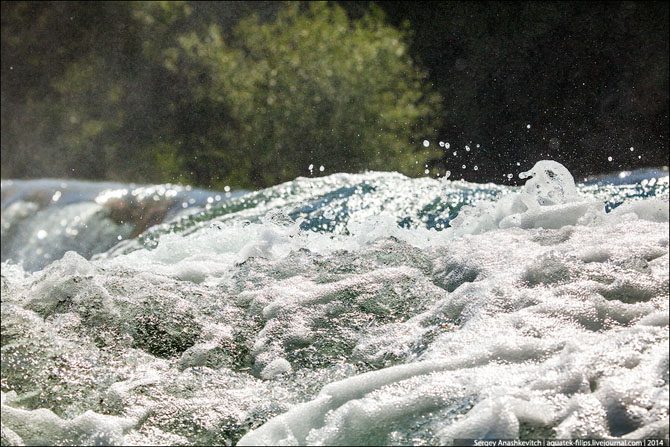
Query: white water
[[535, 314], [43, 219]]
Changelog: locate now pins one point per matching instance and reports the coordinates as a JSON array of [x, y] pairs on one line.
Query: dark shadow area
[[250, 94]]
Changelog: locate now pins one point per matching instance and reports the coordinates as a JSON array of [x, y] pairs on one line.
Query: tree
[[311, 87], [81, 87], [154, 91]]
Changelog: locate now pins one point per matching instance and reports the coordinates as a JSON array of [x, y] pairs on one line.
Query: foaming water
[[43, 219], [353, 309]]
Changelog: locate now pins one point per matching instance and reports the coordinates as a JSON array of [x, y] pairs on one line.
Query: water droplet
[[447, 145], [426, 143], [322, 168], [42, 234], [226, 188], [609, 159], [467, 148], [427, 171], [441, 143], [527, 126], [476, 168]]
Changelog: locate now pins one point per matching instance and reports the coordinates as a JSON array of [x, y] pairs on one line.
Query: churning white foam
[[536, 315]]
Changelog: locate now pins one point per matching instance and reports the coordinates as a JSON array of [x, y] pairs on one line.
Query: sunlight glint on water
[[347, 309]]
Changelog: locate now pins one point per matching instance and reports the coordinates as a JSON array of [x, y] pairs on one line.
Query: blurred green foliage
[[149, 91], [251, 93]]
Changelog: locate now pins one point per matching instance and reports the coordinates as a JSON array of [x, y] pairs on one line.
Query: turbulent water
[[348, 309]]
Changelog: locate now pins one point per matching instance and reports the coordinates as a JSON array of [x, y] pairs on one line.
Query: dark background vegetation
[[251, 93]]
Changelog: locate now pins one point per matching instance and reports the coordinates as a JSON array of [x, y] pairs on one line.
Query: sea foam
[[354, 309]]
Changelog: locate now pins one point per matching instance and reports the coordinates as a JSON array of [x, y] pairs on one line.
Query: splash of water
[[354, 309]]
